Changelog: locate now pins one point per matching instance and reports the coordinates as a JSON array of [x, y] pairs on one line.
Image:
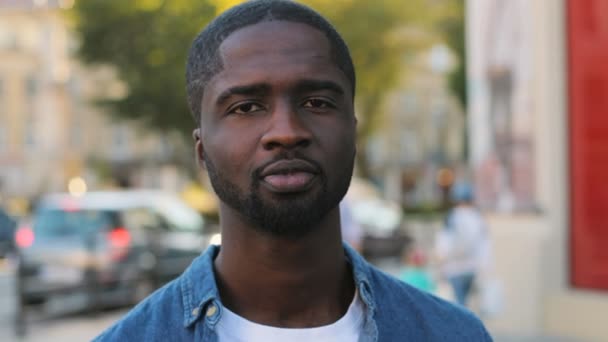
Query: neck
[[284, 282]]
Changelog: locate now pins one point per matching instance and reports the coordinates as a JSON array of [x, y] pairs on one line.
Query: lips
[[289, 175]]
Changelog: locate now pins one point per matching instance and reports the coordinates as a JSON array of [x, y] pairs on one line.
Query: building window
[[3, 136], [1, 95], [8, 38], [29, 133], [120, 143], [29, 136], [31, 86], [76, 130], [3, 120], [29, 130]]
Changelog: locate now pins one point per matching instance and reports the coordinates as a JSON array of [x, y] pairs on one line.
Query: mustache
[[256, 175]]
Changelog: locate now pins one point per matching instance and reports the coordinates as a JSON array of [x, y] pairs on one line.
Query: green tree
[[147, 40], [452, 27]]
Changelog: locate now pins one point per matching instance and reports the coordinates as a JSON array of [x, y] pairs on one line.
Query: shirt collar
[[362, 274], [199, 288]]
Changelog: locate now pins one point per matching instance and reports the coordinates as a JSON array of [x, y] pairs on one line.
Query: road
[[51, 323]]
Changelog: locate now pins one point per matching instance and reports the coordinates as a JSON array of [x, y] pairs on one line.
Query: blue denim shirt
[[189, 308]]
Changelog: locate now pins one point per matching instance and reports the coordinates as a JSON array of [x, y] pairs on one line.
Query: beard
[[290, 215]]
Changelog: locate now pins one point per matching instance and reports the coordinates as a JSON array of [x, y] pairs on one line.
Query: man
[[271, 85]]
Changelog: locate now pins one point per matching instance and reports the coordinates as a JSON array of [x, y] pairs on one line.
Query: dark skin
[[286, 95]]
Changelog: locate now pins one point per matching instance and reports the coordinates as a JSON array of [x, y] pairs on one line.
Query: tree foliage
[[379, 34], [452, 26], [146, 41]]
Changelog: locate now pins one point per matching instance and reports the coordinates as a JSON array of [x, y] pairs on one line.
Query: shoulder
[[151, 319], [400, 306], [170, 313]]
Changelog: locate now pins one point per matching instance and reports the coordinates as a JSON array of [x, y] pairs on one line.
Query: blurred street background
[[101, 200]]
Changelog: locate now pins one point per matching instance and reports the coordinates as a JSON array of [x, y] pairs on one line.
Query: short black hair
[[204, 60]]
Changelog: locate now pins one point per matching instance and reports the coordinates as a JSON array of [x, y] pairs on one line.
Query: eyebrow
[[258, 89], [316, 85], [251, 89]]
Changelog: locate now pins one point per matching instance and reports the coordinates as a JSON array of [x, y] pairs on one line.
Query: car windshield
[[60, 223], [179, 215]]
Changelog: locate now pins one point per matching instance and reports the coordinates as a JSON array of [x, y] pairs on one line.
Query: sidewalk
[[517, 262]]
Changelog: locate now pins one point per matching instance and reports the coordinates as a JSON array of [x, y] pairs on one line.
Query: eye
[[245, 108], [318, 103]]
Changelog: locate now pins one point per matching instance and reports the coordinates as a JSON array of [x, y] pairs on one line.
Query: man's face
[[278, 128]]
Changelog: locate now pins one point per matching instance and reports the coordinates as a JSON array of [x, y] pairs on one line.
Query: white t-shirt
[[234, 328]]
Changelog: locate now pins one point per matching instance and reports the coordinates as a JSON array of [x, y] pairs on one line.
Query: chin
[[290, 216]]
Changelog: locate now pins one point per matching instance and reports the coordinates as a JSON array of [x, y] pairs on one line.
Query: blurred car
[[380, 220], [107, 248], [7, 231]]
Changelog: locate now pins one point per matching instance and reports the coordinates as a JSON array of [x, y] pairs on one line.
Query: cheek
[[340, 143], [231, 154]]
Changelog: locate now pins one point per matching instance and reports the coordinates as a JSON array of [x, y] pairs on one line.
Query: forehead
[[275, 53], [274, 38]]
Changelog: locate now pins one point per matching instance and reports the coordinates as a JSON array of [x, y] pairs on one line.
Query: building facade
[[538, 85], [50, 128], [421, 132]]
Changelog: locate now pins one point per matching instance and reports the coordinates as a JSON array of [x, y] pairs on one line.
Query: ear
[[199, 151]]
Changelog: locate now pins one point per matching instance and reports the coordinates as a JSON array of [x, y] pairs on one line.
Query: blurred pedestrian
[[271, 85], [352, 233], [416, 272], [463, 244]]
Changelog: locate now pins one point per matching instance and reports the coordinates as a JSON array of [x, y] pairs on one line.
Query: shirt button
[[211, 310], [194, 311]]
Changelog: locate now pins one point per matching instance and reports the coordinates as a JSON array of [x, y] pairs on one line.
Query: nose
[[286, 129]]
